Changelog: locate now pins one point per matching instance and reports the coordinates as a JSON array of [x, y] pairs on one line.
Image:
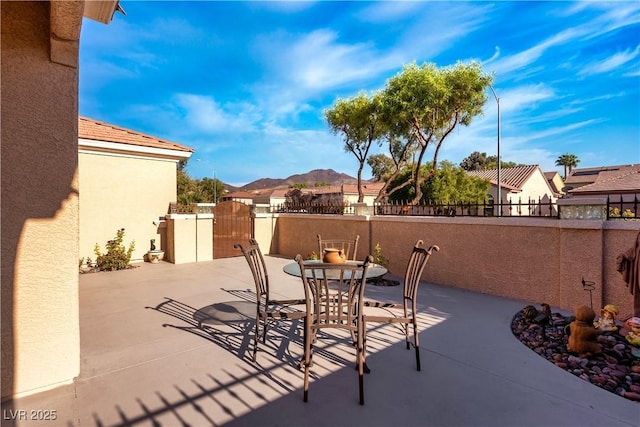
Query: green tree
[[424, 104], [475, 161], [388, 169], [382, 166], [568, 161], [191, 190], [210, 190], [479, 161], [357, 119], [451, 184]]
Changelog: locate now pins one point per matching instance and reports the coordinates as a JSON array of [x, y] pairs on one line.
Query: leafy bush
[[378, 256], [117, 256]]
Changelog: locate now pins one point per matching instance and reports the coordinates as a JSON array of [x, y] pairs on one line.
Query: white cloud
[[611, 63], [204, 114]]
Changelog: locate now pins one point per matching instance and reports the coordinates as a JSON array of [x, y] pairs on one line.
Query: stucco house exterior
[[520, 184], [126, 180], [40, 201], [555, 182]]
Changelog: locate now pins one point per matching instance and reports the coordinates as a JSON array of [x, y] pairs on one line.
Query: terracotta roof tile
[[100, 131]]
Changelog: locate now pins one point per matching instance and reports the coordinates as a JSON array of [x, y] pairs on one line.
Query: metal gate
[[233, 223]]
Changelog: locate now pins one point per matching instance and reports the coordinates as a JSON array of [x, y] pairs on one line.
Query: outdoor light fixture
[[499, 186]]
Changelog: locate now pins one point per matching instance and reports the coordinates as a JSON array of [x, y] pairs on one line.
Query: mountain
[[328, 176]]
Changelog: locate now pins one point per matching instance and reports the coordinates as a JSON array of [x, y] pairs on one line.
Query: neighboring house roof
[[240, 195], [105, 137], [583, 176], [611, 180], [369, 188], [555, 181], [512, 178]]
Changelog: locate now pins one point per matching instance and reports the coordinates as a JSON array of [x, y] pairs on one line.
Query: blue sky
[[246, 84]]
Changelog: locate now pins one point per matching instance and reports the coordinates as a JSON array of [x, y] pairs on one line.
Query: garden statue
[[628, 264], [583, 336], [153, 244], [607, 321], [633, 336]]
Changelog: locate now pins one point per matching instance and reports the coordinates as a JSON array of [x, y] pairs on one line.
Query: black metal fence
[[541, 208], [623, 206]]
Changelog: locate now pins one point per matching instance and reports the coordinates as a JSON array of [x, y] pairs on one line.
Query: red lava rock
[[615, 369], [617, 373], [632, 396]]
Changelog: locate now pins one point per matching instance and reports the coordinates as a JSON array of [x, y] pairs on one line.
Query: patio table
[[375, 270]]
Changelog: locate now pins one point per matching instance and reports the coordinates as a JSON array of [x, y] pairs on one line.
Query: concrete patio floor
[[146, 362]]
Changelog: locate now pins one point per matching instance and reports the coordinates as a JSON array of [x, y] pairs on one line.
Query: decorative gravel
[[616, 369]]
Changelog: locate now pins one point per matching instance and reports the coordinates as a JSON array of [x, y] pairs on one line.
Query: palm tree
[[567, 160]]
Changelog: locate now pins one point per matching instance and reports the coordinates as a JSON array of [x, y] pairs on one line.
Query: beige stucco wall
[[536, 187], [123, 191], [531, 259], [40, 331], [182, 243]]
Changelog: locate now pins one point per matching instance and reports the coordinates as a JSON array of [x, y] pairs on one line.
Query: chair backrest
[[253, 255], [349, 246], [415, 267], [339, 305]]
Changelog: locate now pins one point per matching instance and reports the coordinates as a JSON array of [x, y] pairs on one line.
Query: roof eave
[[116, 148]]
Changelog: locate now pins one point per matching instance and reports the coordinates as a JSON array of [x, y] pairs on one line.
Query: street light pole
[[499, 183]]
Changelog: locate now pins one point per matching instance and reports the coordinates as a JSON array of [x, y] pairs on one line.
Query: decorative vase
[[333, 256], [155, 256]]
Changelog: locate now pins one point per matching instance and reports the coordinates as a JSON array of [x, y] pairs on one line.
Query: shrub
[[378, 256], [117, 256]]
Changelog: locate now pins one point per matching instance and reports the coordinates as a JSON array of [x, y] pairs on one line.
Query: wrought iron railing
[[622, 206], [540, 208], [618, 207]]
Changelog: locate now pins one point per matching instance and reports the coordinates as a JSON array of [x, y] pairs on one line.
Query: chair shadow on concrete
[[230, 325]]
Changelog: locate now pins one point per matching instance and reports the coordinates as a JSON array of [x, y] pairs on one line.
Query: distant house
[[272, 197], [245, 197], [617, 185], [555, 182], [520, 184], [126, 180], [604, 181], [348, 193], [370, 190]]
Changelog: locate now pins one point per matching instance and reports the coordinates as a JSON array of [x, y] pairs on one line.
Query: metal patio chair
[[267, 308], [404, 314], [340, 312]]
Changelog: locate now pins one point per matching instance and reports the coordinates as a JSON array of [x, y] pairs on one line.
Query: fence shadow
[[226, 396]]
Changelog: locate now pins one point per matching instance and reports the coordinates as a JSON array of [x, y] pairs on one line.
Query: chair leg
[[256, 338], [307, 357], [360, 358], [361, 385], [406, 335], [416, 344], [305, 396]]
